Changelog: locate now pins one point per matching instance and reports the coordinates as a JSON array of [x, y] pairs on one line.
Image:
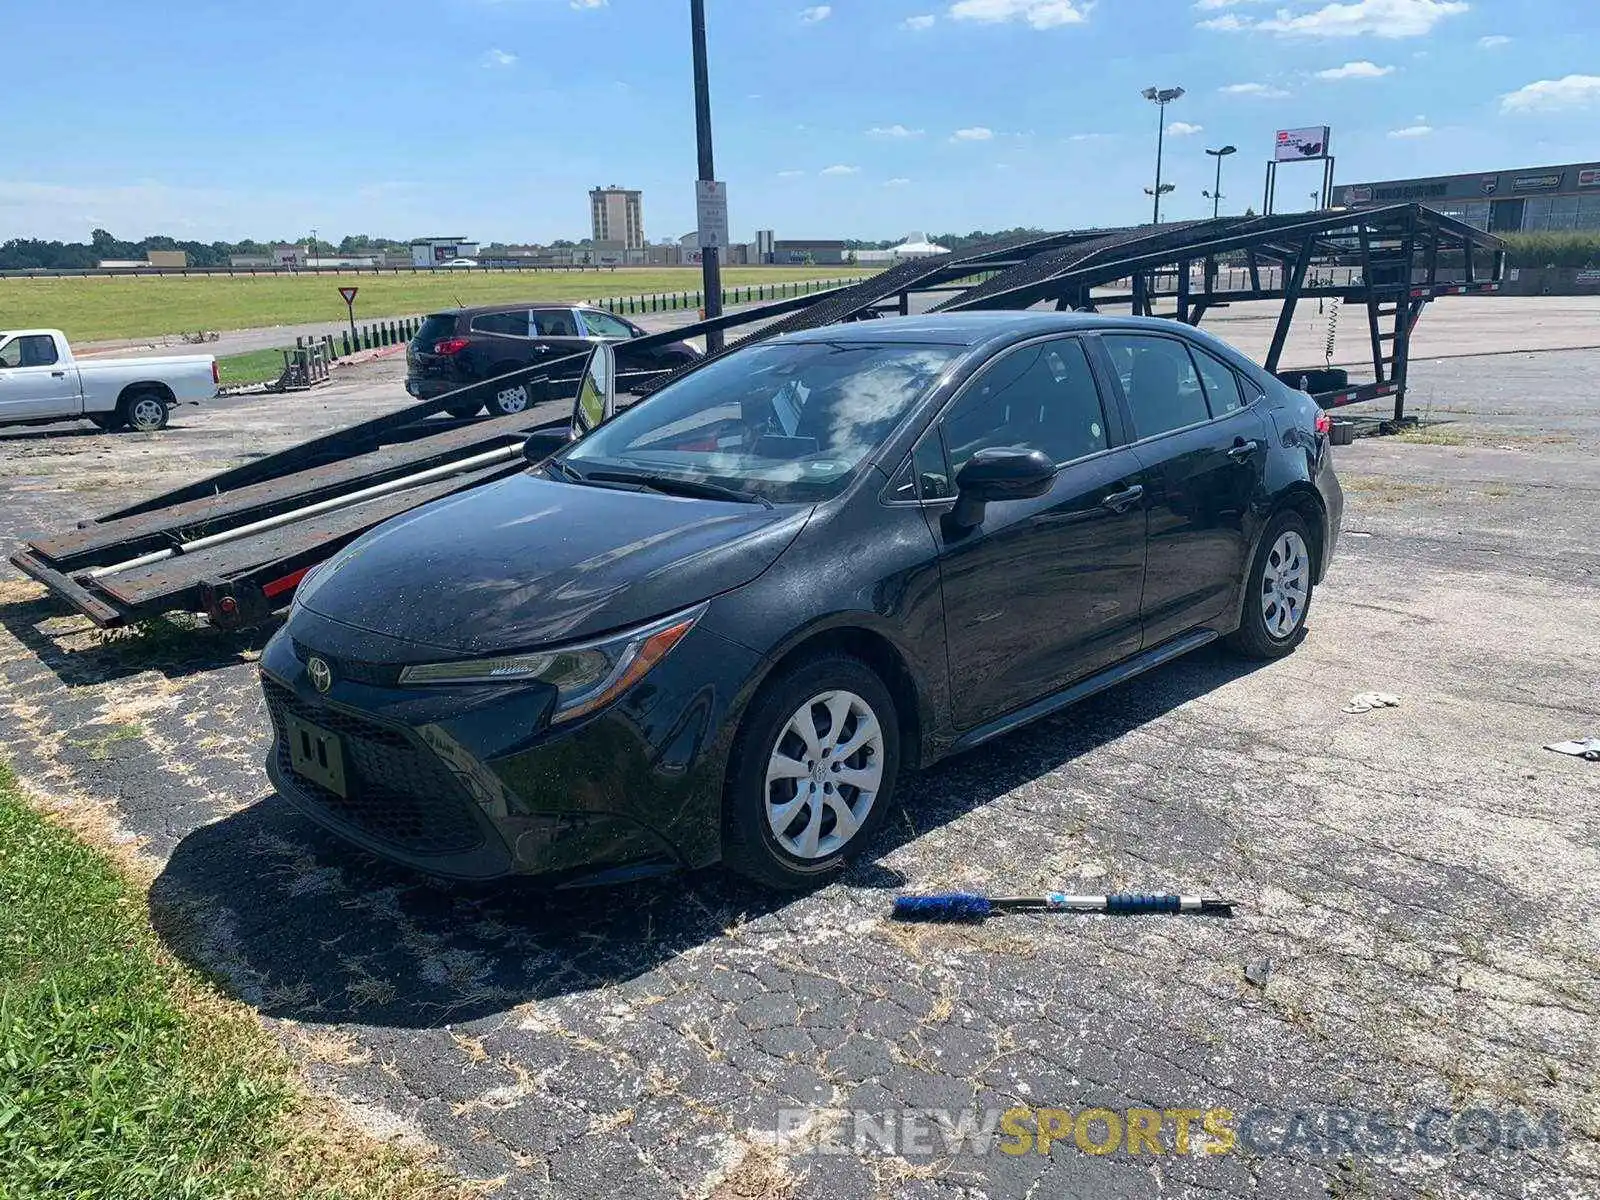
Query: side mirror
[[596, 402], [999, 473]]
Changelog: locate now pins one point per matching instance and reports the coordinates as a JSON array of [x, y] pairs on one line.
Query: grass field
[[253, 366], [123, 1076], [96, 308]]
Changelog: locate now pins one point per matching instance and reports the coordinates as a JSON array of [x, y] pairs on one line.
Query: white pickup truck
[[41, 381]]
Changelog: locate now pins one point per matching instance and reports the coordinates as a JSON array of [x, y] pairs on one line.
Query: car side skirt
[[1086, 687]]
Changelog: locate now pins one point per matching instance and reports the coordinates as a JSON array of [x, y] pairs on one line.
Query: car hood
[[528, 561]]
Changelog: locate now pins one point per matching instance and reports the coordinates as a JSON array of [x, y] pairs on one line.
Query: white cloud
[[897, 181], [817, 12], [1090, 137], [840, 169], [586, 5], [1553, 95], [498, 58], [924, 21], [1041, 14], [1183, 129], [975, 133], [1356, 70], [790, 174], [1356, 18], [893, 131], [1492, 40], [1411, 131], [1264, 91]]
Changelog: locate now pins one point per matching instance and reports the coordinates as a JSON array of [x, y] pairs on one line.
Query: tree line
[[26, 253]]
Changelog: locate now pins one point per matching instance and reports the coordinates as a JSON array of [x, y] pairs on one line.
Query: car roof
[[509, 306], [973, 328]]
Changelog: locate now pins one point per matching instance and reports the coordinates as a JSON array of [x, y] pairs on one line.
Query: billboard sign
[[1535, 183], [1296, 144], [1358, 194]]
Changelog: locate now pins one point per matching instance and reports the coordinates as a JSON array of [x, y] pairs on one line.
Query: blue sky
[[865, 118]]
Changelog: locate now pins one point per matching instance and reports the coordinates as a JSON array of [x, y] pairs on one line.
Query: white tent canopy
[[916, 245]]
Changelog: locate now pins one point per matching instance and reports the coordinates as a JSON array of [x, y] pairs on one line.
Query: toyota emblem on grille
[[321, 674]]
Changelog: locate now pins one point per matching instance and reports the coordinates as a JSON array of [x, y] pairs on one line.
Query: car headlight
[[585, 676]]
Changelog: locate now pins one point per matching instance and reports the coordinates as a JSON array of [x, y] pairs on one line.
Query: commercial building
[[617, 215], [430, 252], [1524, 200]]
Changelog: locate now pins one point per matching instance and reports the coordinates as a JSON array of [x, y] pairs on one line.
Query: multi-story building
[[1524, 200], [617, 215]]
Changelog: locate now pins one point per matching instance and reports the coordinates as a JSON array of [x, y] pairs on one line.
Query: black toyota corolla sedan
[[728, 621]]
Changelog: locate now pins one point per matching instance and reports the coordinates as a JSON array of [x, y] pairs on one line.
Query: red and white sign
[[1589, 177], [1294, 145], [349, 294]]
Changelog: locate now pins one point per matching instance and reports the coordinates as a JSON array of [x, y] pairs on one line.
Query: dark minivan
[[469, 345]]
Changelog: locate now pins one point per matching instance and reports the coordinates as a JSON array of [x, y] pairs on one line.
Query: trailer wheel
[[464, 410], [143, 410]]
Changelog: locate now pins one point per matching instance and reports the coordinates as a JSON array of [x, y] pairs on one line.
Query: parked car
[[41, 381], [728, 620], [468, 345], [460, 262]]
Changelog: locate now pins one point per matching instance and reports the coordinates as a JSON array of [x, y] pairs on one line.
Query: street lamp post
[[1216, 192], [1160, 97], [710, 264]]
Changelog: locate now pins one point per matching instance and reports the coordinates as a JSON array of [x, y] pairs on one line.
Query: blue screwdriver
[[966, 906]]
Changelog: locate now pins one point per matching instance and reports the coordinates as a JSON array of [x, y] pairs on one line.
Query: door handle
[[58, 374], [1242, 449], [1124, 500]]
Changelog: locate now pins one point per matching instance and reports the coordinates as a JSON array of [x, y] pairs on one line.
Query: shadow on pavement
[[298, 924]]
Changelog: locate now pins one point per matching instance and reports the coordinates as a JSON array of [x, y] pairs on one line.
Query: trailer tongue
[[236, 545]]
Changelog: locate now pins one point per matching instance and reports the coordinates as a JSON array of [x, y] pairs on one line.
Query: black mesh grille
[[400, 793], [374, 674]]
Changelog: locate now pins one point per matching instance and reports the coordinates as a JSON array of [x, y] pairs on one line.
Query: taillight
[[450, 346], [216, 374], [1324, 423]]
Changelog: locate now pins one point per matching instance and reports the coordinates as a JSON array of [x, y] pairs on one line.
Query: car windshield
[[788, 421]]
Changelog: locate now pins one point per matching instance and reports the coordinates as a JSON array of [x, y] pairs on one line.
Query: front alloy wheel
[[824, 774], [812, 774]]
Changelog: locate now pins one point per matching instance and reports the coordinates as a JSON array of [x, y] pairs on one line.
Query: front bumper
[[472, 783]]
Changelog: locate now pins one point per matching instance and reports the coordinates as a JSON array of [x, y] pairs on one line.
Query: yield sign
[[349, 294]]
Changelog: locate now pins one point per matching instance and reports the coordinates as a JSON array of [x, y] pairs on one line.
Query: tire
[[1271, 623], [464, 410], [142, 411], [805, 850]]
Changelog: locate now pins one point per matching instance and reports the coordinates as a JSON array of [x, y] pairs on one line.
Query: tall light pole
[[1160, 97], [710, 266], [1216, 192]]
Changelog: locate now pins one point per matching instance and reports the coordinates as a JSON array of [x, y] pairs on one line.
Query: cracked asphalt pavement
[[1417, 884]]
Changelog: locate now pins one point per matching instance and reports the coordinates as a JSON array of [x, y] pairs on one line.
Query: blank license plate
[[315, 753]]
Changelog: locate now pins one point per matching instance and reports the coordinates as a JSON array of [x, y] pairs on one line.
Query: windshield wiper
[[675, 485]]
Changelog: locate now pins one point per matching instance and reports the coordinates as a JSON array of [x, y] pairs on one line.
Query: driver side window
[[11, 353], [1040, 397], [605, 325]]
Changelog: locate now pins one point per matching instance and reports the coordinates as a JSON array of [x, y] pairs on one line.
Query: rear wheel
[[813, 773], [1277, 591], [142, 411]]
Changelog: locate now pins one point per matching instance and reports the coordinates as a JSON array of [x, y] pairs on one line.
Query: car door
[[1046, 590], [34, 383], [619, 332], [1204, 450], [559, 333]]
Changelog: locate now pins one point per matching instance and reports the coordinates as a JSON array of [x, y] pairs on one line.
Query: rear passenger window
[[514, 323], [1222, 385], [555, 322], [1160, 381], [1041, 397]]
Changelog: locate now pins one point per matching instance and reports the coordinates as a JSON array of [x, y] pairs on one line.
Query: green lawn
[[122, 1076], [253, 366], [94, 308]]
